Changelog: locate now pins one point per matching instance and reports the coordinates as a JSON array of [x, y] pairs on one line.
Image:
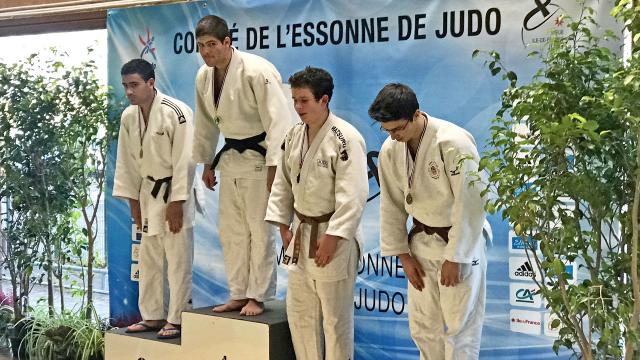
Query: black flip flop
[[145, 328], [175, 332]]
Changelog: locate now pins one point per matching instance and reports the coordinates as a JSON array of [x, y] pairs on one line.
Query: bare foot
[[252, 308], [231, 305]]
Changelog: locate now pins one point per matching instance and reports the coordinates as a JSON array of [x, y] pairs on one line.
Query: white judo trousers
[[320, 313], [153, 250], [446, 322], [246, 238]]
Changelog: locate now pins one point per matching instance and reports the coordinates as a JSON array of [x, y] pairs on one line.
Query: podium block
[[140, 346], [207, 335]]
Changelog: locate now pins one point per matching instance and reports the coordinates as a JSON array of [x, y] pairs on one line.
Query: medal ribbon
[[411, 168]]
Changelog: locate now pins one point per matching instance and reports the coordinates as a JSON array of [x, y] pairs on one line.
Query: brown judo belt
[[419, 227], [314, 221]]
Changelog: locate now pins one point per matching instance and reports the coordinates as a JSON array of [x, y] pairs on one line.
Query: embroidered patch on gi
[[455, 172], [145, 226], [344, 156], [267, 82], [258, 168], [160, 133], [475, 262], [434, 170], [323, 163]]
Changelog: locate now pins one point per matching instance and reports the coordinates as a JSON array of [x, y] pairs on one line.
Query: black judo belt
[[158, 185], [419, 227], [250, 143]]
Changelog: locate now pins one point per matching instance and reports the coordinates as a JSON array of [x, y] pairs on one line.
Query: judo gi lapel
[[208, 91], [313, 149], [227, 89], [152, 122]]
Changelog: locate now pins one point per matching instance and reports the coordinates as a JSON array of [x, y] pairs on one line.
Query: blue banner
[[364, 45]]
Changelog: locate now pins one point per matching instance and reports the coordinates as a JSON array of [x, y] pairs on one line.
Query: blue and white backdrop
[[364, 44]]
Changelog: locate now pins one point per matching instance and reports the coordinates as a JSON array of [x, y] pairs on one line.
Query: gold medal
[[409, 199]]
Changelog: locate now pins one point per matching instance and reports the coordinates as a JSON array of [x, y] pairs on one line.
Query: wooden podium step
[[140, 346], [207, 335]]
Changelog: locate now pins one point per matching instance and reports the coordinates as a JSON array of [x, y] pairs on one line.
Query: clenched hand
[[174, 216]]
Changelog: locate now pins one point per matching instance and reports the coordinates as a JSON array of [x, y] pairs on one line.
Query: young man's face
[[213, 51], [137, 90], [396, 129], [308, 108], [403, 130]]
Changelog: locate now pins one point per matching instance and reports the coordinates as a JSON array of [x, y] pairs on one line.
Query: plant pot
[[16, 351], [17, 333]]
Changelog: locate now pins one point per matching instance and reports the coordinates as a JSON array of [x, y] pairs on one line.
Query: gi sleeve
[[206, 133], [274, 111], [127, 179], [280, 206], [181, 145], [393, 216], [467, 214], [351, 187]]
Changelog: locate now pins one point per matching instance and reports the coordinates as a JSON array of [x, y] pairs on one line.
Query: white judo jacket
[[162, 150], [332, 178], [441, 191], [251, 102]]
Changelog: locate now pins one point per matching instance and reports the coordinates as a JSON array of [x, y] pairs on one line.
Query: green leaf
[[558, 267], [629, 78]]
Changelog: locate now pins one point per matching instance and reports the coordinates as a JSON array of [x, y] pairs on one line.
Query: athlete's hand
[[174, 216], [209, 177], [326, 249], [286, 234], [450, 273], [136, 214], [413, 270]]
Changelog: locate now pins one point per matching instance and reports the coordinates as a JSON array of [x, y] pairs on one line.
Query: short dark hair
[[214, 26], [319, 81], [139, 66], [394, 102]]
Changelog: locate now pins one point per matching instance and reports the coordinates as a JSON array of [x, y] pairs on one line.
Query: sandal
[[173, 332], [143, 327]]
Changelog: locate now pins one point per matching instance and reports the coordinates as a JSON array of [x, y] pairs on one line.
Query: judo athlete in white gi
[[240, 95], [422, 175], [155, 173], [321, 185]]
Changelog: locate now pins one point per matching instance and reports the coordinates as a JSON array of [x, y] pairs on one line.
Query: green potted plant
[[564, 172]]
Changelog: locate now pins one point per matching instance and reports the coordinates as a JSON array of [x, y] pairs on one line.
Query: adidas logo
[[525, 270]]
